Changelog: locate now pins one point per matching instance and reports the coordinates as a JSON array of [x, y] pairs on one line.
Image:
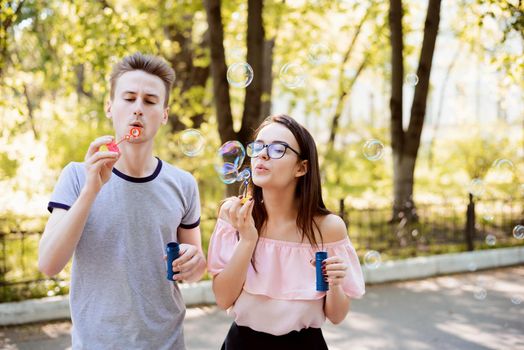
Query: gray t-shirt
[[120, 297]]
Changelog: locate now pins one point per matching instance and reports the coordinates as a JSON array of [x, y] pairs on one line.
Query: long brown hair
[[308, 190]]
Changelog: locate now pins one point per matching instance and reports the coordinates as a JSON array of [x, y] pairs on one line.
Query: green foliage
[[8, 166], [494, 30], [56, 57]]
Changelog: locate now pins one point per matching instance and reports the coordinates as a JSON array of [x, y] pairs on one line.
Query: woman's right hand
[[240, 217], [99, 164]]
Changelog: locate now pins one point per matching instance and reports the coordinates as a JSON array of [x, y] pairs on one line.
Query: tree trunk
[[267, 80], [405, 145], [469, 232], [255, 58], [219, 71], [403, 205], [188, 76], [397, 74], [418, 108], [80, 79]]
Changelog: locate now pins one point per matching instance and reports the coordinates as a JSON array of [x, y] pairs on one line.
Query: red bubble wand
[[113, 146]]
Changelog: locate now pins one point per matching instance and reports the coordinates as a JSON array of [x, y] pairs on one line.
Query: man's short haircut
[[148, 63]]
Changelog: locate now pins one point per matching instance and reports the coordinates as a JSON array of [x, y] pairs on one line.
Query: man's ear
[[302, 168], [165, 116], [108, 109]]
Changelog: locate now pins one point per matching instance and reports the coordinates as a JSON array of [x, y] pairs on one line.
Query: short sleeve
[[191, 218], [353, 284], [67, 188], [221, 247]]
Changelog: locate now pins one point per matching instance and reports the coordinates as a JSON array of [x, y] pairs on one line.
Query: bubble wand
[[113, 146], [244, 177]]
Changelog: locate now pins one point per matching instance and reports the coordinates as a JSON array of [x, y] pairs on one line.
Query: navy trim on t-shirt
[[53, 205], [140, 179], [191, 225]]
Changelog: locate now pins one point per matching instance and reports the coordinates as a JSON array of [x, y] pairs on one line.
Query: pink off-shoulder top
[[281, 295]]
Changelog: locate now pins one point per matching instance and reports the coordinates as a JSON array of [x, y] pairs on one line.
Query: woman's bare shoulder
[[332, 227]]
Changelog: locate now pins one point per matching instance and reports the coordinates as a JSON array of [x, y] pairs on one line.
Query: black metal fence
[[19, 275], [440, 229]]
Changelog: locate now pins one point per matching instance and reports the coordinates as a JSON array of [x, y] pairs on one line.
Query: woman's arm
[[227, 285], [337, 302]]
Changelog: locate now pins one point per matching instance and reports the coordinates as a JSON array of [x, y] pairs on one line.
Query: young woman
[[261, 254]]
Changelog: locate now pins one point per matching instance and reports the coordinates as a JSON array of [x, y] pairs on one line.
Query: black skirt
[[245, 338]]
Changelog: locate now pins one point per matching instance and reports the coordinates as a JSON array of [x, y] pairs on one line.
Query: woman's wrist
[[248, 241], [336, 289]]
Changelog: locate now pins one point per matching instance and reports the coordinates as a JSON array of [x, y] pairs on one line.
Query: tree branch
[[418, 109]]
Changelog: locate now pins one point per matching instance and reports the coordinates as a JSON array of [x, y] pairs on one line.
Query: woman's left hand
[[334, 268]]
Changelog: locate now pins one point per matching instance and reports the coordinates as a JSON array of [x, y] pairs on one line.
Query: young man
[[115, 212]]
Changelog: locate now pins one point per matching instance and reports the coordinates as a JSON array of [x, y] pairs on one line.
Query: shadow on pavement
[[480, 310]]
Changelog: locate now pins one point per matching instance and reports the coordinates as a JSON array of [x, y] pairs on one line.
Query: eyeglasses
[[274, 150]]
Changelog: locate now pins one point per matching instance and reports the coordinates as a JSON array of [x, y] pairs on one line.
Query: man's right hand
[[99, 164]]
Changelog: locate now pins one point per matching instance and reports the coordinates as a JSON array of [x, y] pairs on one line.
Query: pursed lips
[[261, 167]]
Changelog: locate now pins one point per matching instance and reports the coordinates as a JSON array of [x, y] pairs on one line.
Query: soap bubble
[[292, 75], [240, 74], [518, 232], [229, 158], [502, 170], [372, 259], [373, 150], [412, 79], [491, 240], [480, 293], [191, 142], [244, 177], [476, 187]]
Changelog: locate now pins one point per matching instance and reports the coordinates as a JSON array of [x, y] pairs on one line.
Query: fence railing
[[440, 228]]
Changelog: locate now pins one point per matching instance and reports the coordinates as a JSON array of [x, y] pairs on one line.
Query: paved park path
[[478, 310]]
